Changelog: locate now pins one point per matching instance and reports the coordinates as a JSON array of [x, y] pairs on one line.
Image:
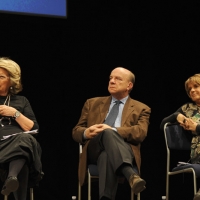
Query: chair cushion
[[178, 138], [196, 168], [93, 170]]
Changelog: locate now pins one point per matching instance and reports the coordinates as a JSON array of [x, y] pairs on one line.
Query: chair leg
[[138, 196], [167, 187], [132, 195], [79, 191], [5, 197], [89, 186], [195, 183], [31, 194]]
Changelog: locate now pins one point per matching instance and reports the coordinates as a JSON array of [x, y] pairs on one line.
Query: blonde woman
[[20, 152]]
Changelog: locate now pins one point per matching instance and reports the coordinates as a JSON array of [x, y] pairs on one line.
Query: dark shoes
[[11, 184], [197, 195], [137, 184]]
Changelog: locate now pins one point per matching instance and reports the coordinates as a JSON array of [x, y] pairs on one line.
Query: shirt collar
[[122, 100]]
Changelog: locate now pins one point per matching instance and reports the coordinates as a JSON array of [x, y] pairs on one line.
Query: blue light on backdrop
[[57, 8]]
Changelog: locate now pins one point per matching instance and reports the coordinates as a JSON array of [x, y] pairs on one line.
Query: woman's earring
[[11, 88]]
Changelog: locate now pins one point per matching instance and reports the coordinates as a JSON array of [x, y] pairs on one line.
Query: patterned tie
[[110, 120]]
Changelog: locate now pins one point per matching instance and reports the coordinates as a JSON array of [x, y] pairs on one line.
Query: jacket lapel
[[104, 108], [128, 109]]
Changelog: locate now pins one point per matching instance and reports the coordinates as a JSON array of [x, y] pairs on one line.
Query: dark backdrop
[[66, 61]]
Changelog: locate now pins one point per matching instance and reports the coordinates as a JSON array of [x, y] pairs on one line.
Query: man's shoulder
[[138, 103], [99, 98], [97, 101]]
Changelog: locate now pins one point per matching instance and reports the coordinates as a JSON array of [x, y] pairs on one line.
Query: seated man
[[111, 129]]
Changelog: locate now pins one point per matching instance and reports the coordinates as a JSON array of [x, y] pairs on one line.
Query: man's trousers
[[110, 152]]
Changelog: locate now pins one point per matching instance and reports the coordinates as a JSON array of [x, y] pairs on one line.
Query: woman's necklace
[[2, 118], [7, 99]]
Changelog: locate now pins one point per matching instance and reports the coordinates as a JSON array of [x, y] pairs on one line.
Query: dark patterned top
[[190, 110], [8, 125]]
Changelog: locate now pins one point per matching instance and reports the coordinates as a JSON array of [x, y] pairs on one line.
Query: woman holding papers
[[20, 153]]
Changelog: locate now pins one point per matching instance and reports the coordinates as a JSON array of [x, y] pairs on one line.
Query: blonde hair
[[14, 74], [194, 79]]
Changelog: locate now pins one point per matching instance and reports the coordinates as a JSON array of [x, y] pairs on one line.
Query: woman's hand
[[186, 123], [181, 119], [189, 125], [25, 123], [7, 110]]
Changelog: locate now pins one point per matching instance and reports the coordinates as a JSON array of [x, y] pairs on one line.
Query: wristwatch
[[17, 114]]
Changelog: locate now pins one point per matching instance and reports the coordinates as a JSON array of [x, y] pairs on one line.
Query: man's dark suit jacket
[[134, 126]]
